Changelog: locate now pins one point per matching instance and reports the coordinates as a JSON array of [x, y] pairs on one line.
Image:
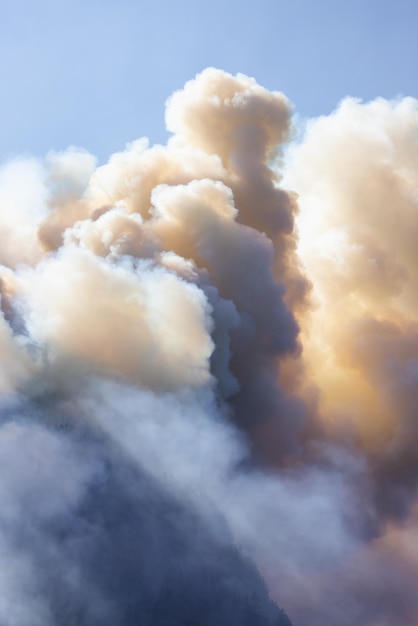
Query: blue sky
[[96, 73]]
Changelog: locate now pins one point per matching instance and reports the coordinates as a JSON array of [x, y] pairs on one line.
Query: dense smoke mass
[[209, 371]]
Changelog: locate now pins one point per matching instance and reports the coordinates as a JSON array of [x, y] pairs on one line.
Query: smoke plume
[[209, 372]]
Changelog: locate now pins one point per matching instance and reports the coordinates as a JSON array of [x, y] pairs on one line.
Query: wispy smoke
[[209, 384]]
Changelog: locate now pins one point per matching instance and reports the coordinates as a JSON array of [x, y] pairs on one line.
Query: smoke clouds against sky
[[96, 73], [208, 347]]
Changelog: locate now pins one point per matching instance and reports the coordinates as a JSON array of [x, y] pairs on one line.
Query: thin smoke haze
[[209, 371]]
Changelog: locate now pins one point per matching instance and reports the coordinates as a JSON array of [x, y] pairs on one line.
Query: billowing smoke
[[356, 175], [208, 382]]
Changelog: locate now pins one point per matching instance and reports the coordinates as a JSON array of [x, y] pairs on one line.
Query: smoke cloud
[[208, 381]]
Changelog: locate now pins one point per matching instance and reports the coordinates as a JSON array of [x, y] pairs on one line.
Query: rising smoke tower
[[208, 383]]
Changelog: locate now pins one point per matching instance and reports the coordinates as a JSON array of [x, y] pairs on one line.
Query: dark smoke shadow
[[130, 554]]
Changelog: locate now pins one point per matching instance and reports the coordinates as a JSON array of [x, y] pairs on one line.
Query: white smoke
[[202, 374]]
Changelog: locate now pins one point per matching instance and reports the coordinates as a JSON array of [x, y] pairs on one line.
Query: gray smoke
[[141, 319], [208, 383]]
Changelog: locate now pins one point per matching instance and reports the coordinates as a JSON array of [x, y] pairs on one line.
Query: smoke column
[[209, 372]]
